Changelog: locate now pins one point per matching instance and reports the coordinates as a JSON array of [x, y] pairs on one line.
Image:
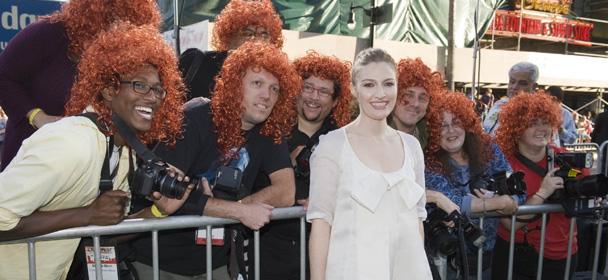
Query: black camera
[[444, 239], [152, 177], [225, 182], [500, 183]]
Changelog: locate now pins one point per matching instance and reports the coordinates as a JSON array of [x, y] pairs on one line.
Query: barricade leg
[[302, 248], [31, 253], [596, 252], [256, 253], [541, 253], [155, 268], [480, 253], [97, 252], [209, 255], [511, 248], [570, 239]]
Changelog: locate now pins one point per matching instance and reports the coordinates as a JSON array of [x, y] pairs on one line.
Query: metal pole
[[511, 248], [372, 24], [596, 253], [521, 19], [155, 268], [97, 253], [302, 248], [569, 258], [209, 254], [31, 253], [567, 36], [449, 71], [256, 253], [541, 252], [176, 26], [480, 252], [475, 53]]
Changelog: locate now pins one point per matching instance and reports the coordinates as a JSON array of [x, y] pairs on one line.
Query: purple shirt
[[35, 71]]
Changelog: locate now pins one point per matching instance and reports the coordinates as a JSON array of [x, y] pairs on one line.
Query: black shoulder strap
[[105, 182], [532, 165], [129, 136]]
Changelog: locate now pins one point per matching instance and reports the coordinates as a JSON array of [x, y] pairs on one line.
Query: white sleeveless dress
[[374, 216]]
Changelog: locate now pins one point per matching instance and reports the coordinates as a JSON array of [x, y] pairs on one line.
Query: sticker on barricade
[[109, 266], [217, 236]]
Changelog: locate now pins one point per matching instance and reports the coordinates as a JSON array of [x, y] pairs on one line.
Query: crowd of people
[[377, 151]]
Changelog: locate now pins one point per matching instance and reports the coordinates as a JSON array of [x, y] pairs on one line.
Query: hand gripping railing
[[542, 209], [156, 225]]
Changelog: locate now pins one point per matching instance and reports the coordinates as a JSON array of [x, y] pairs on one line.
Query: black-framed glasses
[[145, 89]]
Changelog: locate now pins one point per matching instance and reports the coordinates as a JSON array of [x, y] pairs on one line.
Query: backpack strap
[[105, 181]]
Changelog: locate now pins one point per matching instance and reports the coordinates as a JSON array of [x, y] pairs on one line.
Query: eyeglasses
[[144, 89], [323, 92], [255, 33], [456, 124]]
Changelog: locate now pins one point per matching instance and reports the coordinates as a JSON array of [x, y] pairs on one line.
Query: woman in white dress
[[367, 188]]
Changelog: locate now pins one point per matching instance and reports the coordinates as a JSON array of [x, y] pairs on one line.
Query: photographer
[[240, 131], [53, 183], [322, 106], [459, 157], [526, 125]]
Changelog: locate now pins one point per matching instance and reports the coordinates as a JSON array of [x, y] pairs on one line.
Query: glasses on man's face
[[145, 89], [456, 124], [260, 33], [323, 92]]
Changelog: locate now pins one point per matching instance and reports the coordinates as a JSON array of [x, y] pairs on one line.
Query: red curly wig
[[123, 50], [226, 105], [239, 14], [83, 19], [463, 109], [333, 69], [516, 115], [414, 73]]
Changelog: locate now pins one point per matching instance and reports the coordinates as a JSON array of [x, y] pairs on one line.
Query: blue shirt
[[456, 188]]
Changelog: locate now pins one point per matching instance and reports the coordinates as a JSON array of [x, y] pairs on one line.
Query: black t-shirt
[[291, 228], [196, 153], [202, 81]]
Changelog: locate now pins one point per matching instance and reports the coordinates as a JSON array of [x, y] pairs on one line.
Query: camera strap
[[105, 181], [531, 165], [129, 136]]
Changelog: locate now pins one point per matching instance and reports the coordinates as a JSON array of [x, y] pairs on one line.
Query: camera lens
[[170, 187]]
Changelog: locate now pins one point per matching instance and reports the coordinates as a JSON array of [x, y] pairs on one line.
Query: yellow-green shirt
[[58, 167]]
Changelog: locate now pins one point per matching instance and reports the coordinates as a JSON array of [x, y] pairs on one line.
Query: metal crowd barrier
[[542, 209], [156, 225]]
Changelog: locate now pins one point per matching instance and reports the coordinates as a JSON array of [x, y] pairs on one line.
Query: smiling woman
[[367, 188]]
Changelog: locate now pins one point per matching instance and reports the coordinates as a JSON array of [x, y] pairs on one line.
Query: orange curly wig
[[123, 50], [516, 115], [239, 14], [83, 19], [333, 69], [414, 73], [226, 102], [463, 109]]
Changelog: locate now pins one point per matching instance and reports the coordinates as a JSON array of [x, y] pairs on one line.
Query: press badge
[[217, 237], [109, 263]]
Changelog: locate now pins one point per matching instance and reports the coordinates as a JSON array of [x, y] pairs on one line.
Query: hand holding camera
[[550, 184]]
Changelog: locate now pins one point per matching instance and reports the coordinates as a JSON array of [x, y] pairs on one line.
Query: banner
[[17, 14]]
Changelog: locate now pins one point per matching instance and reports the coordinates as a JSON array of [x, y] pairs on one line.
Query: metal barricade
[[543, 210], [156, 225]]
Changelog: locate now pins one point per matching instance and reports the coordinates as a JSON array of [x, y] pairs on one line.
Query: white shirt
[[374, 216]]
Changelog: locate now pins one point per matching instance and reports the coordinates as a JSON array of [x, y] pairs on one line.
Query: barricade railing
[[156, 225], [204, 222], [543, 210]]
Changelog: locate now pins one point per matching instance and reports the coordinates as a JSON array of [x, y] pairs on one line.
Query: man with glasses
[[54, 181], [322, 106], [240, 21]]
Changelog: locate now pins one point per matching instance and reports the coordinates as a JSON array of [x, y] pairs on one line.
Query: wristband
[[33, 114], [536, 194], [483, 203], [156, 213]]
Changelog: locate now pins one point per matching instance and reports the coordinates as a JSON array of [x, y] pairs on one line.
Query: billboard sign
[[17, 14]]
